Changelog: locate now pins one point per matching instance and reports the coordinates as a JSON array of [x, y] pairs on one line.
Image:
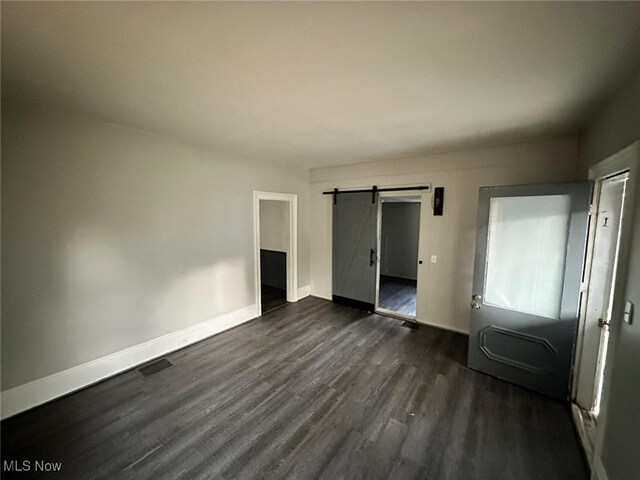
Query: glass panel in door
[[526, 253]]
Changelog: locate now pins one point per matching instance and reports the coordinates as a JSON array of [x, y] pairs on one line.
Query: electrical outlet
[[434, 258]]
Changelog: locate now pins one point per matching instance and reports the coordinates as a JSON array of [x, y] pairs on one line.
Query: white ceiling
[[323, 83]]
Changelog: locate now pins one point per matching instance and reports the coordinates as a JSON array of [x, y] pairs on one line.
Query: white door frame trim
[[583, 392], [292, 254], [406, 194], [626, 159]]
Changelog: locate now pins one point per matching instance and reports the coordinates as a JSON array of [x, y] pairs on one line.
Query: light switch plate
[[628, 312], [434, 258]]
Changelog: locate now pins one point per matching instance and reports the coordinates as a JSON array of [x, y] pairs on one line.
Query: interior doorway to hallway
[[275, 243], [398, 241]]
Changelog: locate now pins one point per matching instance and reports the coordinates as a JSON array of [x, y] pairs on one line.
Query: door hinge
[[602, 323], [592, 209]]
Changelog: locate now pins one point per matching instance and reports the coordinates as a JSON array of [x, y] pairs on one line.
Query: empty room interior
[[332, 240]]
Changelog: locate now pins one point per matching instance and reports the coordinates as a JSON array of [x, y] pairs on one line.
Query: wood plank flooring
[[311, 390], [398, 295]]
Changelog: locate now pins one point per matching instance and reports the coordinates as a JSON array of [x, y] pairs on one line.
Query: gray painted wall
[[113, 237], [399, 239], [274, 225], [616, 127], [444, 299]]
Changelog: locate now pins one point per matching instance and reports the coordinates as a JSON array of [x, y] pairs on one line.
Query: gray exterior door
[[525, 302], [354, 250]]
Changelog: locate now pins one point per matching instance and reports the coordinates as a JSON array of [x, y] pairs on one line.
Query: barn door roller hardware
[[373, 190]]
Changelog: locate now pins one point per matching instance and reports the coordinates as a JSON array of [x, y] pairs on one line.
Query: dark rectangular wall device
[[438, 201]]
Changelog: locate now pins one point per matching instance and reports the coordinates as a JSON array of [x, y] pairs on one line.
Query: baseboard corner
[[304, 292]]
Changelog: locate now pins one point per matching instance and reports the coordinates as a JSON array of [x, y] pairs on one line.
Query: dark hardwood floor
[[272, 298], [397, 294], [311, 390]]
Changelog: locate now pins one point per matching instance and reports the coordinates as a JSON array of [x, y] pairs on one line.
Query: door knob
[[475, 305], [476, 297]]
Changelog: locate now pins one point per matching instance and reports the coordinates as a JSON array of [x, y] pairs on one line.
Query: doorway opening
[[275, 242], [398, 242], [606, 231], [596, 312], [604, 267]]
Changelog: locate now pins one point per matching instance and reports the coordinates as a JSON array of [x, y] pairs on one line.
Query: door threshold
[[274, 308], [396, 315], [585, 424]]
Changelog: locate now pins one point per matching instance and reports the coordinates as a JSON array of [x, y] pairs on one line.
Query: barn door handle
[[372, 257]]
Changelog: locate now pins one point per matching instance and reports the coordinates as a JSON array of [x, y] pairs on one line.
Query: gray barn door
[[354, 250], [530, 248]]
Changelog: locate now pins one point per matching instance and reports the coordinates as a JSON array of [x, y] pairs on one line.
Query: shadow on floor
[[272, 298]]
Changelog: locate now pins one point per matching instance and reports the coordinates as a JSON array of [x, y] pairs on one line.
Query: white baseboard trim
[[304, 292], [443, 327], [325, 297], [598, 472], [37, 392]]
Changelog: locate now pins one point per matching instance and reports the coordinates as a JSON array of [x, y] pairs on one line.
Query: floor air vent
[[410, 324], [154, 367]]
